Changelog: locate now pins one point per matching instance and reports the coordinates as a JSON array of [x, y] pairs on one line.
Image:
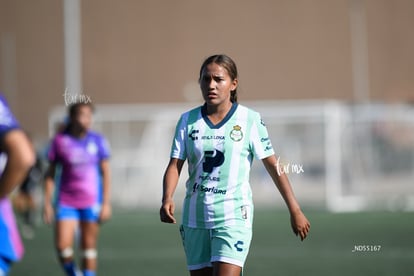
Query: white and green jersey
[[219, 160]]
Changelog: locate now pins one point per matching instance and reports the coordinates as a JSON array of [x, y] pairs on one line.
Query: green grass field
[[136, 243]]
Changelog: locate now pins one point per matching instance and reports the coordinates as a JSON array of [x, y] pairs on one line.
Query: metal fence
[[338, 156]]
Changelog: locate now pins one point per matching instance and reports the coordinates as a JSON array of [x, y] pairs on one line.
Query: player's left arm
[[20, 158], [106, 210], [300, 224]]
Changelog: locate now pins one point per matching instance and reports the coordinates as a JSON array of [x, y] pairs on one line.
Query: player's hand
[[106, 213], [167, 211], [48, 213], [300, 224]]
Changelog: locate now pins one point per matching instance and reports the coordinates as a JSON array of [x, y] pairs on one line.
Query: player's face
[[216, 84], [84, 117]]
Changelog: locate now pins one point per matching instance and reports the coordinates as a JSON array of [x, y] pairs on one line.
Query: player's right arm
[[48, 212], [170, 181], [20, 158]]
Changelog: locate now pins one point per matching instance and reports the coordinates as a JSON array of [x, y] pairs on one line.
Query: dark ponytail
[[233, 96]]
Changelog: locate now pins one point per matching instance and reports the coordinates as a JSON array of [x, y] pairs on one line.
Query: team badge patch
[[92, 148], [236, 134]]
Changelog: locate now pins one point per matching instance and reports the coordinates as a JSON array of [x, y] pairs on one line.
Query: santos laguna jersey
[[219, 160]]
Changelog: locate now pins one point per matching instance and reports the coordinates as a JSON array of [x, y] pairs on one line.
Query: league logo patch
[[236, 134]]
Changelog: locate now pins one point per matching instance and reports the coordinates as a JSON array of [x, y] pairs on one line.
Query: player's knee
[[90, 253], [66, 253]]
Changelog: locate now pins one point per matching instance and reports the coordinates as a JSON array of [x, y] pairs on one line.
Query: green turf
[[136, 243]]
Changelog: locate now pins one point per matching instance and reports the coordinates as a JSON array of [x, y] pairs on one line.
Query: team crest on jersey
[[92, 148], [236, 134]]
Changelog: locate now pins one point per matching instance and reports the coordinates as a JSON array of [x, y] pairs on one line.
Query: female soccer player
[[18, 156], [219, 140], [83, 192]]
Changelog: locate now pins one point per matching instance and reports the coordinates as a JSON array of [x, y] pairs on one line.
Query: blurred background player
[[83, 190], [219, 140], [17, 158]]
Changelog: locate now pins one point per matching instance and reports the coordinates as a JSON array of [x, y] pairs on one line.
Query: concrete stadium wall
[[150, 51]]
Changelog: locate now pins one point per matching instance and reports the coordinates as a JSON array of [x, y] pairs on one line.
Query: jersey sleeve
[[178, 148], [260, 142], [7, 120], [104, 150], [52, 152]]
